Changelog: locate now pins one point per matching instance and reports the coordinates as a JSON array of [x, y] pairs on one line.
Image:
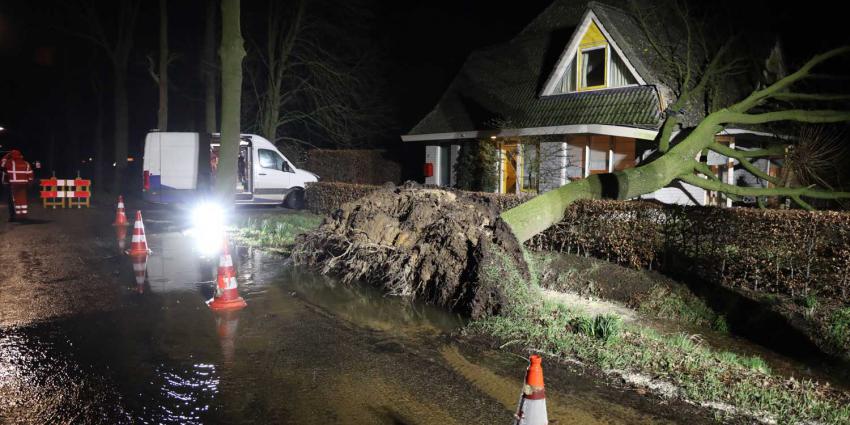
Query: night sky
[[46, 73]]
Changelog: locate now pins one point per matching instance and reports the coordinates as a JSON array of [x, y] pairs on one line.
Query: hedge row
[[325, 197], [361, 166], [792, 252]]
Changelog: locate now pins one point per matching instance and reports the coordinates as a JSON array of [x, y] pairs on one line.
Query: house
[[575, 93]]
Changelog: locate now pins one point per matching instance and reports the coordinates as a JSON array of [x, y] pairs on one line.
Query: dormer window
[[592, 63]]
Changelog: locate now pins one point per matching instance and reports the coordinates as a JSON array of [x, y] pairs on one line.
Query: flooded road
[[306, 350]]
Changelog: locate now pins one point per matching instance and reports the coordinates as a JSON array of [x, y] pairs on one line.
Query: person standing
[[17, 174]]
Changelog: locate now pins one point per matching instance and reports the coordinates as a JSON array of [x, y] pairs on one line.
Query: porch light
[[492, 137]]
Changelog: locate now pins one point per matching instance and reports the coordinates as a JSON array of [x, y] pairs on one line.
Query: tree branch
[[761, 191], [800, 115], [732, 153], [772, 90]]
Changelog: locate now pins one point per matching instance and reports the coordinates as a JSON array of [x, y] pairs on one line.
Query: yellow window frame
[[580, 77]]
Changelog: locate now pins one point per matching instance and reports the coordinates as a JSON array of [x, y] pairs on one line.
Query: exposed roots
[[422, 242]]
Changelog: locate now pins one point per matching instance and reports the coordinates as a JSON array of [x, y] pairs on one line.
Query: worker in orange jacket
[[16, 175]]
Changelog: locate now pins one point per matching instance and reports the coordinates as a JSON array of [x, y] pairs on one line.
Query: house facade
[[573, 94]]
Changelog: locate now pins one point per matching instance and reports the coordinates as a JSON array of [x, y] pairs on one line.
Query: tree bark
[[209, 69], [121, 122], [162, 115], [208, 75], [232, 52]]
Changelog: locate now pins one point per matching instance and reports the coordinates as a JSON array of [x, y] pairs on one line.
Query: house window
[[593, 67], [530, 167]]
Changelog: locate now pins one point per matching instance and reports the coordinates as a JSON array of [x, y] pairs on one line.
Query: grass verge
[[731, 383], [276, 232]]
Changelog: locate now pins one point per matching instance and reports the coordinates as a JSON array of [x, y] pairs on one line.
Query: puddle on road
[[306, 350]]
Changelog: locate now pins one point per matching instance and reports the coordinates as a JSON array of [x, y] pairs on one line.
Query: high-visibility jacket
[[16, 171]]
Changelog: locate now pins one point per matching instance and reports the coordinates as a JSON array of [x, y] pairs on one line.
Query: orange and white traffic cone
[[532, 403], [120, 217], [139, 244], [121, 237], [226, 295], [227, 322], [140, 271]]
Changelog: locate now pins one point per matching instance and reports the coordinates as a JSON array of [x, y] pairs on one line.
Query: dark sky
[[46, 73]]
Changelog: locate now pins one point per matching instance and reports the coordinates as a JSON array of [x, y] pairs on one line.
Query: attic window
[[593, 67], [594, 63]]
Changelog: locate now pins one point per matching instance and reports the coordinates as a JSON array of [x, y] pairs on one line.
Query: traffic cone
[[120, 217], [226, 295], [140, 271], [227, 322], [121, 237], [532, 403], [139, 245]]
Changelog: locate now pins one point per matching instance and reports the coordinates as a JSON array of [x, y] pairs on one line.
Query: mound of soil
[[414, 241]]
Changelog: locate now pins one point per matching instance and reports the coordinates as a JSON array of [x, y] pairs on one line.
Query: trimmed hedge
[[361, 166], [326, 197], [790, 252]]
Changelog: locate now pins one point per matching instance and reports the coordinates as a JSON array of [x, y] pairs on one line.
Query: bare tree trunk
[[162, 115], [232, 52], [121, 122], [208, 75], [98, 135]]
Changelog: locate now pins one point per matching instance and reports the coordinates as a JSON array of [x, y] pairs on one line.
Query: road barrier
[[54, 192], [50, 193]]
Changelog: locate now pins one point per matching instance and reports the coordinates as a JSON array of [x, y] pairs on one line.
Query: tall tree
[[159, 70], [114, 34], [209, 68], [232, 52], [313, 74], [162, 113], [209, 71]]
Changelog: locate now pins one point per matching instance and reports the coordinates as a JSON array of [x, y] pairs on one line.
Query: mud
[[422, 242]]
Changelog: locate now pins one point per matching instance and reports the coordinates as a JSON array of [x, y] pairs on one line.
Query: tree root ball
[[419, 242]]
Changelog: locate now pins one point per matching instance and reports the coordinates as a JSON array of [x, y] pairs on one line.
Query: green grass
[[702, 373], [276, 231], [670, 304], [839, 328]]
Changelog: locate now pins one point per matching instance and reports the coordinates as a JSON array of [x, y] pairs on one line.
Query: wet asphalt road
[[81, 342]]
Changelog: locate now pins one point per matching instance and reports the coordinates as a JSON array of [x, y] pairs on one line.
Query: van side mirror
[[286, 167]]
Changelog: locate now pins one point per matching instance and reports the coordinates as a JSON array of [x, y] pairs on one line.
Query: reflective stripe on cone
[[226, 292], [532, 403], [139, 244]]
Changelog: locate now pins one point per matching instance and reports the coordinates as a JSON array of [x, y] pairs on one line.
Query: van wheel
[[295, 199]]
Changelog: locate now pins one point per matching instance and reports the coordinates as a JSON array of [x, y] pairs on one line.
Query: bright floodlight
[[208, 222]]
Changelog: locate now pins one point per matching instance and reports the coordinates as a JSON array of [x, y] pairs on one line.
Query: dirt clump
[[415, 241]]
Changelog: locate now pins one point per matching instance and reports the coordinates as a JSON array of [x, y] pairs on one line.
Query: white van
[[266, 177]]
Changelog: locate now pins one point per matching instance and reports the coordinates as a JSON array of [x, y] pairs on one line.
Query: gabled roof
[[503, 82]]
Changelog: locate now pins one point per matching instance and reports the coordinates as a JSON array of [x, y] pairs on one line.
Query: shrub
[[787, 252], [360, 166]]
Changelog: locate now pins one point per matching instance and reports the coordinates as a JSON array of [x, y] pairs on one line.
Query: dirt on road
[[52, 265]]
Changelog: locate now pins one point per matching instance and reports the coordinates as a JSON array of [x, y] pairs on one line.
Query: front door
[[271, 176], [510, 165]]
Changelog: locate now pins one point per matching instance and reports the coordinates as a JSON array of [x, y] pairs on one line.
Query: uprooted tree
[[455, 249], [679, 159]]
